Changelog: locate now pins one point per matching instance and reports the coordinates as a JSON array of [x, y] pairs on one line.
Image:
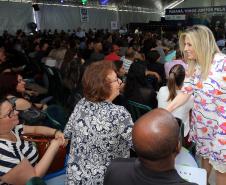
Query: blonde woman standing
[[206, 80]]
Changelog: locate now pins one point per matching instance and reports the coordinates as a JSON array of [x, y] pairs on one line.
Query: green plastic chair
[[191, 147], [57, 116], [36, 181], [136, 109]]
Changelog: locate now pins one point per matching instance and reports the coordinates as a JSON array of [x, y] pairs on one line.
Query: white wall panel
[[127, 17], [64, 17], [14, 16]]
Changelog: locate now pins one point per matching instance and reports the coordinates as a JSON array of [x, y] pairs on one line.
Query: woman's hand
[[157, 76], [40, 106], [179, 100], [57, 142], [58, 134], [149, 73], [31, 93]]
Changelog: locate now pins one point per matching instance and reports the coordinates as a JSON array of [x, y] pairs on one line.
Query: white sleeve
[[162, 97]]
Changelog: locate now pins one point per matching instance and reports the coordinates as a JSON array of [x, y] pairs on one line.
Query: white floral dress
[[208, 125], [99, 132]]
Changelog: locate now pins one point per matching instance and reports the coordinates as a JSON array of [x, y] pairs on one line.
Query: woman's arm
[[179, 100], [40, 106], [149, 73], [42, 166], [46, 131], [21, 103]]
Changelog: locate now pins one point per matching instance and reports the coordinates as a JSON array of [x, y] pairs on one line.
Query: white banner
[[114, 25], [84, 15], [175, 17]]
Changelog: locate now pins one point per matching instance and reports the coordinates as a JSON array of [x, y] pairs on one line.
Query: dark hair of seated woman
[[137, 87]]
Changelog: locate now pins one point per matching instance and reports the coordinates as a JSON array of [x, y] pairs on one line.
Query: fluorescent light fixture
[[172, 5]]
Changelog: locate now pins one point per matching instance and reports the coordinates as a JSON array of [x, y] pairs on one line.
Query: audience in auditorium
[[141, 85], [156, 141], [99, 130]]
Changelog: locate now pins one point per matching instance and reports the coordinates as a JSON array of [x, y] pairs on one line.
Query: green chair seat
[[36, 181], [136, 109]]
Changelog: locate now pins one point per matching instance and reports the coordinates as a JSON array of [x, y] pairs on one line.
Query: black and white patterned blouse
[[99, 132], [12, 153]]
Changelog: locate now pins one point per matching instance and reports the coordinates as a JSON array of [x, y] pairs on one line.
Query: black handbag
[[32, 115]]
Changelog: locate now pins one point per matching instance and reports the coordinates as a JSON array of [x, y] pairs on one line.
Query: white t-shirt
[[181, 112], [126, 63]]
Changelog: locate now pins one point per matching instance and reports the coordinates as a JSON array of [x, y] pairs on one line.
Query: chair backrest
[[35, 181], [52, 80], [136, 109], [192, 174], [50, 62], [185, 158], [57, 116]]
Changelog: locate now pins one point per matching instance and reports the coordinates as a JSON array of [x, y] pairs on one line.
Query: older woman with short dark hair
[[99, 130]]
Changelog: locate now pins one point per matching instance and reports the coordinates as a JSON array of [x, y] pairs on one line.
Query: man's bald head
[[156, 135]]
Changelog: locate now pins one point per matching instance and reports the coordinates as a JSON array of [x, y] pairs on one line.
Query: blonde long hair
[[204, 45]]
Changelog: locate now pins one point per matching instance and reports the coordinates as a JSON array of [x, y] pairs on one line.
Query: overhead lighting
[[174, 4], [103, 2], [158, 4], [84, 2]]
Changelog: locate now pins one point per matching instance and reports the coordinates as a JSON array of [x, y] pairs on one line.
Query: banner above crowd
[[196, 10]]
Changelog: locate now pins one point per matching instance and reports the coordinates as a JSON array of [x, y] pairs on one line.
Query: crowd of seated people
[[62, 47], [92, 69]]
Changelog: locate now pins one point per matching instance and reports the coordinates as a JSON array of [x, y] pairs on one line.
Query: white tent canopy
[[56, 15]]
